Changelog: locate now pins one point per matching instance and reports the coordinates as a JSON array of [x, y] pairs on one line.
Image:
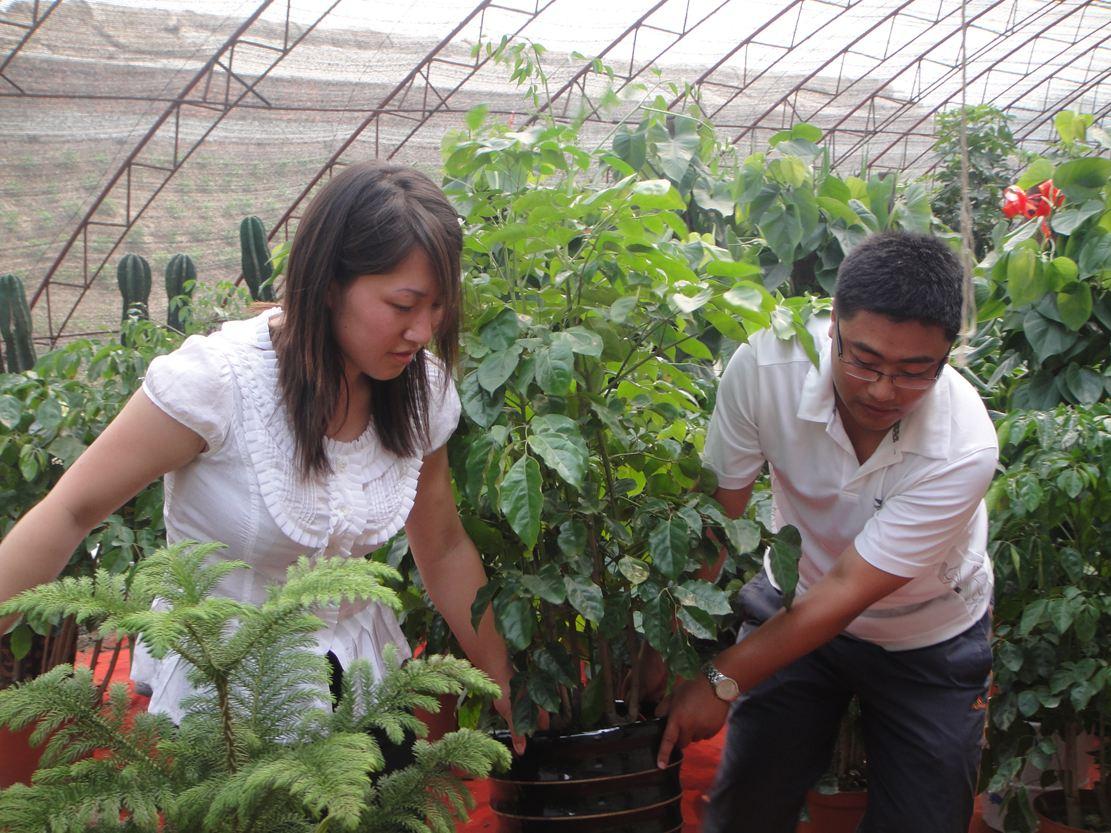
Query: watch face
[[727, 689]]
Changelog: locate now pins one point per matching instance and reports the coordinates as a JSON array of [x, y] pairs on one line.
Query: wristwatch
[[724, 687]]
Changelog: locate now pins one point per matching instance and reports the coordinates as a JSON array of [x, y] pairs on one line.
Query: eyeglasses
[[899, 380]]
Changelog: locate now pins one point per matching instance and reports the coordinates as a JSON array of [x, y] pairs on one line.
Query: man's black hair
[[907, 277]]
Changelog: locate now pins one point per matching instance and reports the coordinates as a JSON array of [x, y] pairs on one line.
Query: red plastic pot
[[18, 759], [834, 812]]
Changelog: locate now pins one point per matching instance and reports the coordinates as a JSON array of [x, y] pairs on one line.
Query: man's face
[[902, 352]]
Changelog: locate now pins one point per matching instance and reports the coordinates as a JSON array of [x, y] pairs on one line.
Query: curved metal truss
[[291, 89]]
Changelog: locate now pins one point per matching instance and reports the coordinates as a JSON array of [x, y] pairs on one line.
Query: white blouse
[[245, 489]]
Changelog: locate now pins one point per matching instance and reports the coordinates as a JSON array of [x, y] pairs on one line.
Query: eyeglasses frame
[[895, 378]]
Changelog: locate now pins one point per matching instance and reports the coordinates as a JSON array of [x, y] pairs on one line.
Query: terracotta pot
[[444, 721], [834, 812], [18, 759], [1049, 807], [604, 781]]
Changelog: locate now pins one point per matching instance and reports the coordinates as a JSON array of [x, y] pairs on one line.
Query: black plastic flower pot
[[601, 781]]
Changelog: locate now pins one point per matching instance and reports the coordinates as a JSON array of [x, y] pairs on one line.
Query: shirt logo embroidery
[[877, 503]]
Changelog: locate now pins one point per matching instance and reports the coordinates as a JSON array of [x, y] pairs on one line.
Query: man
[[880, 458]]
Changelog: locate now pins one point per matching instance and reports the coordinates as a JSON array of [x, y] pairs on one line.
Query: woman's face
[[380, 322]]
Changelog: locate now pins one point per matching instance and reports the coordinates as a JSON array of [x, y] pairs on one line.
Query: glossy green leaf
[[11, 411], [585, 596], [658, 194], [669, 544], [704, 596], [1022, 277], [1074, 303], [560, 444], [1067, 220], [732, 269], [1047, 337], [497, 367], [1082, 179], [743, 534], [582, 341], [20, 641], [786, 549], [555, 366], [515, 620], [482, 407], [1095, 255], [501, 331], [547, 583], [697, 623], [520, 499], [1084, 384]]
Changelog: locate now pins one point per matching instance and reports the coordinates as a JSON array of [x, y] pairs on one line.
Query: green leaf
[[480, 406], [1067, 220], [1032, 616], [1082, 179], [704, 596], [585, 596], [633, 569], [1046, 337], [620, 309], [743, 534], [1028, 703], [501, 332], [497, 367], [572, 538], [1070, 483], [475, 117], [555, 366], [669, 544], [48, 417], [658, 194], [11, 410], [1074, 303], [1084, 384], [547, 584], [732, 269], [560, 444], [675, 154], [583, 341], [1095, 254], [1037, 171], [515, 620], [66, 448], [1023, 282], [656, 617], [1061, 612], [786, 550], [20, 640], [750, 296], [697, 623], [782, 228], [520, 500]]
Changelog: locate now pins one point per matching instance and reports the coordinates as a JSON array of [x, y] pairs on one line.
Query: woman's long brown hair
[[363, 222]]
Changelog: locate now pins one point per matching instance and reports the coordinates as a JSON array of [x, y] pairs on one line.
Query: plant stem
[[226, 722]]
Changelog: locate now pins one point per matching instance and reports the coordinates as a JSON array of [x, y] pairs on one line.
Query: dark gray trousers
[[922, 717]]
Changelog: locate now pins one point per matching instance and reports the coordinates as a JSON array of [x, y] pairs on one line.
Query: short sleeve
[[193, 386], [444, 407], [732, 449], [916, 528]]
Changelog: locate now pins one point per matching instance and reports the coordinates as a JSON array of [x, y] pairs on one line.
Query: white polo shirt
[[914, 508]]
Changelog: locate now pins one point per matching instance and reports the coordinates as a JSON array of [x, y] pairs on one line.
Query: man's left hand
[[693, 713]]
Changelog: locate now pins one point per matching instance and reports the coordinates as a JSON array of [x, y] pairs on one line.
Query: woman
[[318, 427]]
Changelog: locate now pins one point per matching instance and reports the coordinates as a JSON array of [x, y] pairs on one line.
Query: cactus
[[179, 270], [133, 276], [257, 268], [15, 325]]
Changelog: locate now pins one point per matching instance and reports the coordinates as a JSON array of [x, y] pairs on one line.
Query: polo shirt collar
[[925, 431]]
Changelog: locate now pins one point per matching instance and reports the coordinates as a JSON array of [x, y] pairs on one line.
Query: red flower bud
[[1037, 206], [1052, 194], [1014, 202]]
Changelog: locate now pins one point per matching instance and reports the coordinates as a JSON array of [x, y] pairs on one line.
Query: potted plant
[[1050, 511], [587, 376], [260, 747]]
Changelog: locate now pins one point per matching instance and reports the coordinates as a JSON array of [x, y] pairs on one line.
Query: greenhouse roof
[[155, 126]]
